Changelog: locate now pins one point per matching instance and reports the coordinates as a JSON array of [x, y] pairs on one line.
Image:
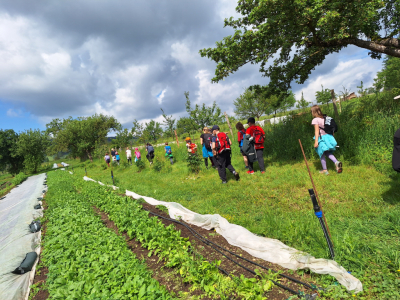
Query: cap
[[188, 139], [215, 127], [251, 120]]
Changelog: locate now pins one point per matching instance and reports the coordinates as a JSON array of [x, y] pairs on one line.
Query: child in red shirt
[[258, 135]]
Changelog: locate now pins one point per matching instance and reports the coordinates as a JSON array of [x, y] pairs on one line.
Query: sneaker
[[223, 182], [324, 172], [250, 172], [338, 165], [237, 177]]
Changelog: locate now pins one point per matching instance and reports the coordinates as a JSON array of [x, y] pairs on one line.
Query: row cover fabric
[[268, 249], [16, 240]]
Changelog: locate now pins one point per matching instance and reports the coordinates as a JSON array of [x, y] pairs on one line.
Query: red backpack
[[258, 135], [222, 142]]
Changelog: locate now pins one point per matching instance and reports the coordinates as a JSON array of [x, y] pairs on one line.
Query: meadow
[[361, 204]]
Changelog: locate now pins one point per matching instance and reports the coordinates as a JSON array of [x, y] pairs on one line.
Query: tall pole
[[315, 190], [229, 124]]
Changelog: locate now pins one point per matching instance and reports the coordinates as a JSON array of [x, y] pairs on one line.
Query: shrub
[[194, 163], [140, 165], [19, 178], [158, 164]]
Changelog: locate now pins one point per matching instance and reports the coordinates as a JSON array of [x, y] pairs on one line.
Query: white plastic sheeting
[[55, 166], [268, 249], [277, 120], [16, 213]]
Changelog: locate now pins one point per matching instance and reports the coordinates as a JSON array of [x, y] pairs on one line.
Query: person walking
[[324, 143], [107, 159], [221, 146], [191, 147], [168, 153], [138, 155], [258, 135], [150, 153], [241, 134], [206, 141], [117, 158], [128, 155], [113, 153]]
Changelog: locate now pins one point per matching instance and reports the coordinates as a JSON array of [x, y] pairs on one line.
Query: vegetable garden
[[83, 259]]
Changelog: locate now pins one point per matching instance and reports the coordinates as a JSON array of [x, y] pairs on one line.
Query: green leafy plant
[[194, 163], [158, 164], [140, 165]]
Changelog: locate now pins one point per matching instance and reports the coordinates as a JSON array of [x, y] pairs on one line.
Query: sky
[[129, 59]]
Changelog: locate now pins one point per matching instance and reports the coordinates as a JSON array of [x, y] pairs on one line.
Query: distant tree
[[302, 103], [361, 91], [186, 125], [169, 123], [152, 131], [288, 102], [324, 96], [204, 115], [389, 77], [81, 136], [9, 160], [123, 138], [289, 39], [32, 145], [137, 131], [344, 93], [249, 104]]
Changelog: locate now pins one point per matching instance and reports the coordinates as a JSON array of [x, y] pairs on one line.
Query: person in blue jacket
[[324, 143], [168, 153], [117, 157]]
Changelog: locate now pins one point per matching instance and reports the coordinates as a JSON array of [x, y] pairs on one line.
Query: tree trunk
[[90, 156], [176, 136]]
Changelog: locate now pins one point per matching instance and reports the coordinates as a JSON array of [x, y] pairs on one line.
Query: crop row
[[175, 251], [85, 259]]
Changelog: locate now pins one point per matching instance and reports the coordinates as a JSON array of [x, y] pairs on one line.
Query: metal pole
[[112, 177], [318, 214], [85, 171], [316, 194]]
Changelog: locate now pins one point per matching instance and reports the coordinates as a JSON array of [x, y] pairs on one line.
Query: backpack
[[222, 142], [258, 136], [150, 149], [207, 142], [243, 134], [330, 125], [396, 151], [249, 149]]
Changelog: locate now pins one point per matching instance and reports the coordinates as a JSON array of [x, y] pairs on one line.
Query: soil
[[232, 268], [165, 276]]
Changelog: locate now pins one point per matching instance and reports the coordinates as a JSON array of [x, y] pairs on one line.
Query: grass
[[361, 205]]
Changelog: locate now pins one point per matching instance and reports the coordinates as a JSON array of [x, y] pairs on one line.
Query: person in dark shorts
[[150, 153], [241, 134], [206, 141], [258, 135], [221, 146]]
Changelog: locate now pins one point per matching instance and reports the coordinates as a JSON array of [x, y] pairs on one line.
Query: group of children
[[216, 146]]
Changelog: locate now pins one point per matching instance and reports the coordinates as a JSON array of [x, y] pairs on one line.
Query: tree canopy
[[204, 115], [249, 104], [152, 131], [389, 76], [80, 135], [290, 38], [9, 159]]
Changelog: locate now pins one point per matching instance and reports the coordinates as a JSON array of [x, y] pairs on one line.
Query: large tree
[[389, 76], [9, 159], [169, 123], [80, 136], [32, 146], [204, 115], [289, 38], [152, 131], [250, 104]]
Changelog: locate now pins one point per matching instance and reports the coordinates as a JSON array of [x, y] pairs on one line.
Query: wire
[[210, 243]]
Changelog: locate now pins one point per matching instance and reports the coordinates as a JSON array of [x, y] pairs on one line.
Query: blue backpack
[[117, 156], [243, 134]]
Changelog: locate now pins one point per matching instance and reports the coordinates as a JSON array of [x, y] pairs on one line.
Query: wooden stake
[[176, 136], [334, 105], [315, 190], [229, 124]]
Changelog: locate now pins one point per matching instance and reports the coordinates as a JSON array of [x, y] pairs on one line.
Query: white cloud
[[14, 113], [347, 73], [161, 96]]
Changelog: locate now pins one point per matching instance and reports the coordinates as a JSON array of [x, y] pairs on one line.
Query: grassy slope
[[361, 207]]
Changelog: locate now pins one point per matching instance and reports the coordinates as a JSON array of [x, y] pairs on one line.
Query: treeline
[[86, 137]]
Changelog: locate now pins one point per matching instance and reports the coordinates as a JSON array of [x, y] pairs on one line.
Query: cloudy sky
[[129, 59]]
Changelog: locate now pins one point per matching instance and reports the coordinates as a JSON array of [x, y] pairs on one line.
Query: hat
[[251, 120], [188, 139], [215, 127]]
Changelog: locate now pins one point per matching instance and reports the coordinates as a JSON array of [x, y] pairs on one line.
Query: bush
[[19, 178], [194, 163], [140, 165], [124, 164], [158, 164]]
